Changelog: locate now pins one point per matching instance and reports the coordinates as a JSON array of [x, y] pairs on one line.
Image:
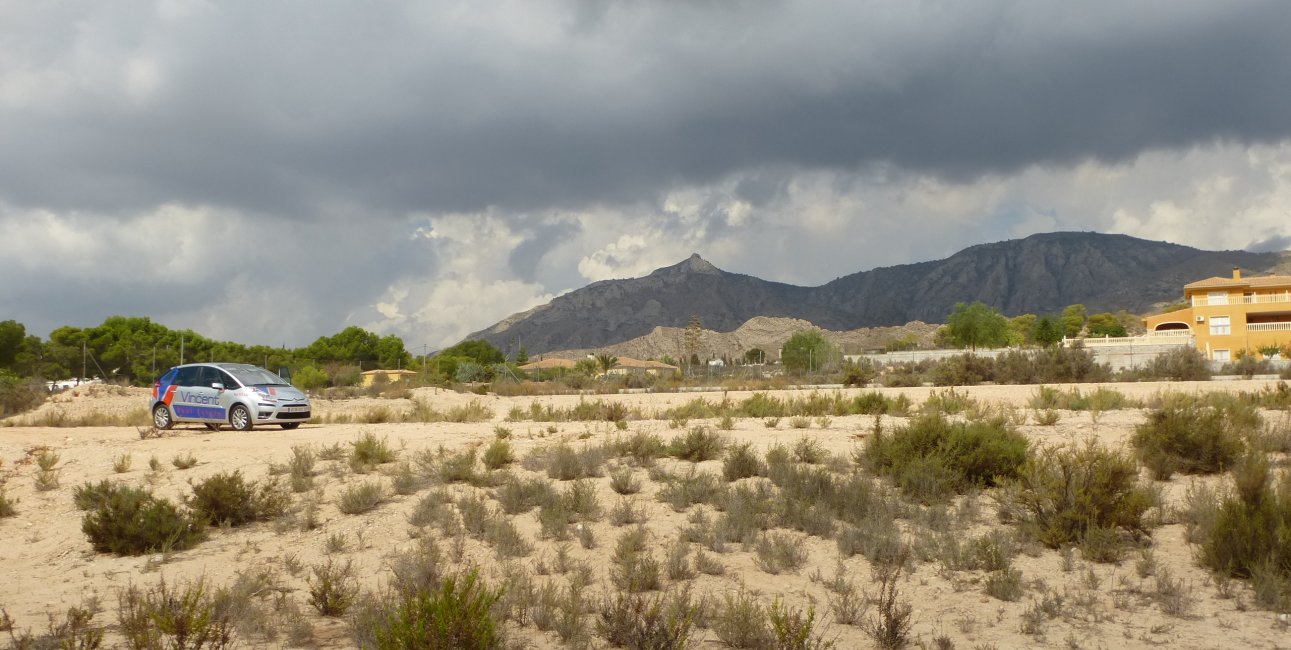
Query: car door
[[229, 395], [198, 401]]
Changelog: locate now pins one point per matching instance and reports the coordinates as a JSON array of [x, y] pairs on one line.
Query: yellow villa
[[1230, 315]]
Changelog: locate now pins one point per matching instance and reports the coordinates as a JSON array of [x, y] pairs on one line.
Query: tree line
[[135, 350]]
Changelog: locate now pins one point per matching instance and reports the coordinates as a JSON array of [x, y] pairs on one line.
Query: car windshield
[[252, 376]]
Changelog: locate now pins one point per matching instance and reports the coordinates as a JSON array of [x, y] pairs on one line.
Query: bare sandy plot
[[46, 563]]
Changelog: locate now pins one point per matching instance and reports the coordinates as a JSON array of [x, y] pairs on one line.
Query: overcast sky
[[269, 172]]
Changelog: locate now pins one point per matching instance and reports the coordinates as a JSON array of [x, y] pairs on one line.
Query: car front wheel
[[161, 417], [240, 418]]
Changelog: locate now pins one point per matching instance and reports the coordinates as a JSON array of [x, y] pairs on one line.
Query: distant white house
[[64, 384]]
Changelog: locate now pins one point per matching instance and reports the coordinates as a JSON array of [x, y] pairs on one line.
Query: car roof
[[218, 364]]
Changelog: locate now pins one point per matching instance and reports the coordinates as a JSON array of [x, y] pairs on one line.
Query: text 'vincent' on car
[[237, 394]]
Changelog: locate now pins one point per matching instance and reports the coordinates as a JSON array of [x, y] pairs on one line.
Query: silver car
[[238, 394]]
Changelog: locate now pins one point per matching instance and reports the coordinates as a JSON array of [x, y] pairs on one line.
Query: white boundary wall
[[1119, 353]]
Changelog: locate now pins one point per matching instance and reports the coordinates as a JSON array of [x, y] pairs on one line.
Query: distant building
[[630, 366], [1228, 315], [369, 377]]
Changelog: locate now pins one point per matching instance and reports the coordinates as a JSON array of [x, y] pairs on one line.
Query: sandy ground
[[46, 563]]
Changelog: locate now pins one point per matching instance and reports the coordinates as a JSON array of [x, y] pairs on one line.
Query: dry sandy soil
[[46, 563]]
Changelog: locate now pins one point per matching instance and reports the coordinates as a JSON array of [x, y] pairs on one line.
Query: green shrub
[[890, 626], [761, 405], [332, 588], [662, 622], [1004, 584], [358, 499], [564, 463], [740, 621], [808, 450], [681, 492], [458, 468], [455, 615], [1247, 366], [581, 500], [131, 521], [76, 630], [90, 495], [498, 454], [517, 496], [1246, 531], [369, 450], [174, 616], [7, 508], [962, 370], [1062, 493], [780, 552], [228, 499], [301, 468], [876, 403], [623, 481], [948, 402], [697, 445], [931, 457], [641, 447], [792, 629], [19, 396], [635, 567], [1184, 363], [741, 462], [1184, 436]]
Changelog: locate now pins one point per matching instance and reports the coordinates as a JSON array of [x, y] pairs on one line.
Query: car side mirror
[[217, 386]]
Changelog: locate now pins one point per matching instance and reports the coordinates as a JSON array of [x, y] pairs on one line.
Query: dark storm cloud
[[1272, 244], [534, 105], [542, 237]]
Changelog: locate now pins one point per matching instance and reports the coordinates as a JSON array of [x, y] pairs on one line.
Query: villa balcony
[[1258, 299], [1268, 327]]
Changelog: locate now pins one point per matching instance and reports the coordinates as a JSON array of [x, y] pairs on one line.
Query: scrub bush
[[697, 445], [131, 521], [173, 616], [741, 462], [931, 457], [1062, 495], [662, 622], [1190, 438], [1245, 531], [455, 614], [228, 499]]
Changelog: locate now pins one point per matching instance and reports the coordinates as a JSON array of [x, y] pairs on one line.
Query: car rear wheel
[[290, 425], [240, 418], [161, 417]]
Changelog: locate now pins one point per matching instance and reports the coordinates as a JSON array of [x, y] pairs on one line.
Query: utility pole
[[181, 348]]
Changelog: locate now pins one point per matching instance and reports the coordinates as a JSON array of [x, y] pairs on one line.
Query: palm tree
[[606, 361]]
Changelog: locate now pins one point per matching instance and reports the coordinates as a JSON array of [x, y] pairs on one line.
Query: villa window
[[1221, 355], [1217, 298], [1219, 325]]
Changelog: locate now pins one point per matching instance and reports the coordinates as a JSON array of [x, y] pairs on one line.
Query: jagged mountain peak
[[692, 264], [1039, 274]]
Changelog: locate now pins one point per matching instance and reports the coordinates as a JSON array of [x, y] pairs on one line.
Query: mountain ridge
[[1038, 274]]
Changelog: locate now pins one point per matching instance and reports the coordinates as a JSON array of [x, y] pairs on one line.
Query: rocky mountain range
[[1039, 274]]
